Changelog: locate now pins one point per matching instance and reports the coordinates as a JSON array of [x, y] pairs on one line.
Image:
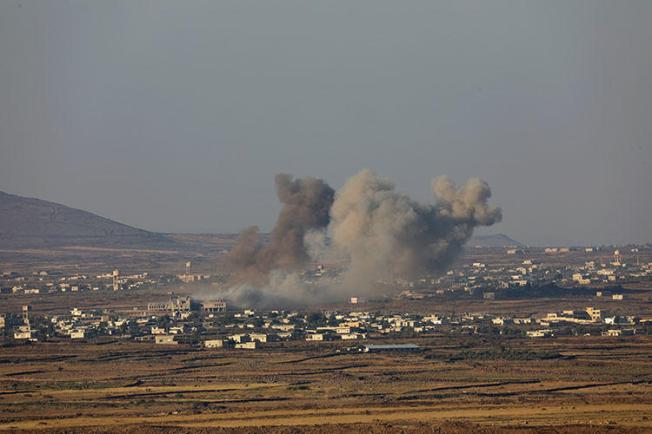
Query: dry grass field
[[581, 384]]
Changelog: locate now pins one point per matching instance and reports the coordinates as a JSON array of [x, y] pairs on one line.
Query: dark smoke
[[306, 206]]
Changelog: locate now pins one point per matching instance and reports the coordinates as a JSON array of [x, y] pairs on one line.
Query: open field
[[86, 259], [564, 385]]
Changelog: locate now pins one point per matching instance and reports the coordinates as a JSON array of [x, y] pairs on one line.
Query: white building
[[23, 332], [78, 334], [165, 340], [260, 337], [157, 330], [252, 345], [353, 336], [213, 343], [543, 333]]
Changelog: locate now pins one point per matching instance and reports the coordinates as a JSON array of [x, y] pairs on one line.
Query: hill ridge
[[32, 222], [493, 240]]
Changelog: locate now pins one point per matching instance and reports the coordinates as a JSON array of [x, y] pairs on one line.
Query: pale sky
[[176, 115]]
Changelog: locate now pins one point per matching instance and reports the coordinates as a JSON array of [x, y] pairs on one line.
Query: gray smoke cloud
[[279, 289], [306, 206], [388, 235], [380, 234]]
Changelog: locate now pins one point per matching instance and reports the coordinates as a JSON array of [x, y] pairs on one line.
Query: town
[[606, 278], [209, 326]]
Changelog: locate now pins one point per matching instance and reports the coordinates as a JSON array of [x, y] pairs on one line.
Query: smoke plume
[[388, 235], [306, 205], [380, 234]]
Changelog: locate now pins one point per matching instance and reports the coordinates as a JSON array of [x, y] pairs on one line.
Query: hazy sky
[[176, 115]]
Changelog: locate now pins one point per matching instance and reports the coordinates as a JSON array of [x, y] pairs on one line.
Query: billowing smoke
[[379, 233], [388, 235], [306, 205], [279, 289]]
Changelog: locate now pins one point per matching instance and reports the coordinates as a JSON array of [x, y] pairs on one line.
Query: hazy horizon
[[175, 117]]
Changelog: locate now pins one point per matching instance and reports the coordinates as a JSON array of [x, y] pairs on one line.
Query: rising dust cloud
[[380, 234]]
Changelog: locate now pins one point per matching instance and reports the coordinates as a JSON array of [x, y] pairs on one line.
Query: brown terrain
[[580, 384]]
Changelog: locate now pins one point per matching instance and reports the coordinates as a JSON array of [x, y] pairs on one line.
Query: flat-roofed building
[[252, 345], [175, 304], [544, 333], [215, 306], [23, 332], [78, 334], [165, 340], [260, 337], [213, 343]]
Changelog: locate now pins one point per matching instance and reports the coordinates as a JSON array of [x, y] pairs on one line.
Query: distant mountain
[[497, 240], [27, 222]]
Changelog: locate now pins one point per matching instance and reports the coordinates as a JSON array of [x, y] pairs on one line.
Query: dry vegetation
[[456, 385]]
